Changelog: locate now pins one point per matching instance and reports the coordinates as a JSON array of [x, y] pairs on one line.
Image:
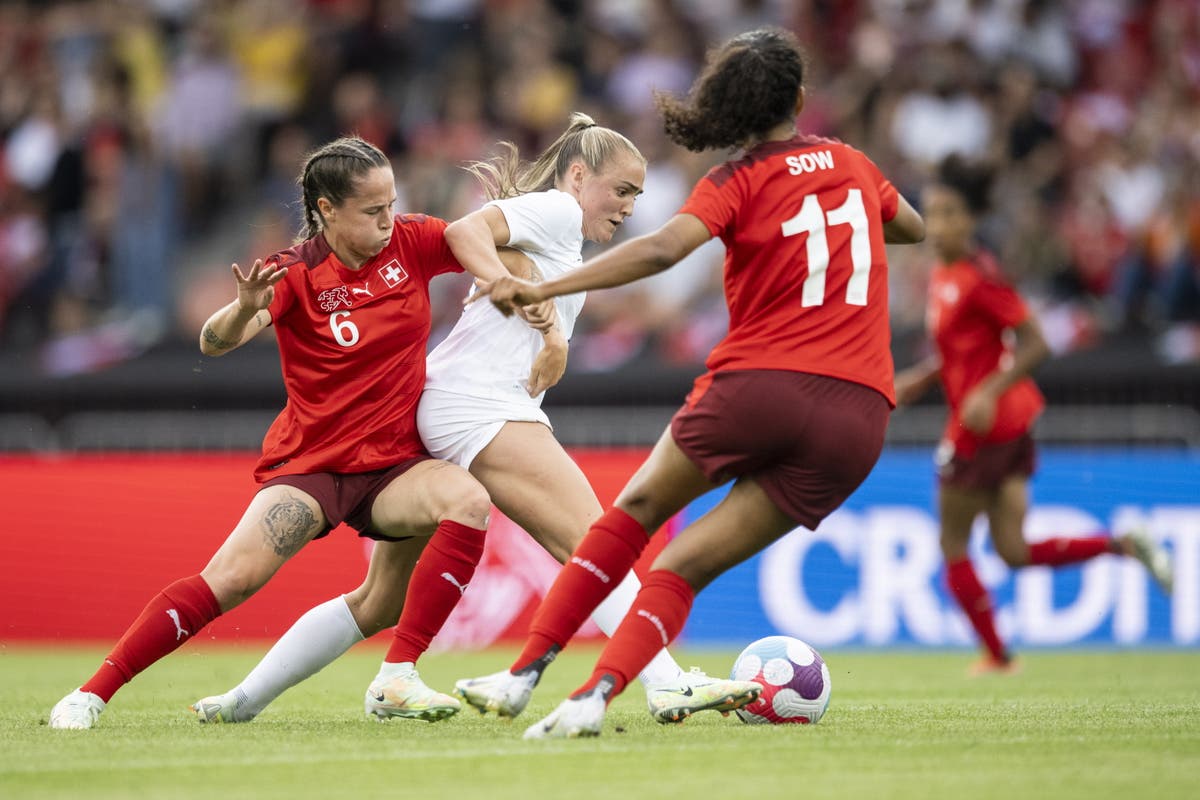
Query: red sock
[[655, 619], [974, 600], [599, 563], [1067, 550], [446, 566], [176, 614]]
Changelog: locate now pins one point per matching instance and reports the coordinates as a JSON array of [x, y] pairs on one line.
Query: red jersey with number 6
[[352, 347], [805, 267], [970, 308]]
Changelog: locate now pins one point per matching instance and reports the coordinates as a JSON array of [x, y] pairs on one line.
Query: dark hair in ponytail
[[331, 171]]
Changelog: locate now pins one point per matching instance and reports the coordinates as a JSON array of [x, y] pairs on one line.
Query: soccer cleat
[[221, 708], [694, 691], [77, 711], [987, 665], [1153, 556], [575, 718], [406, 695], [502, 692]]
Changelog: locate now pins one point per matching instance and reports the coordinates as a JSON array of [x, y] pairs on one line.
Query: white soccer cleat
[[695, 691], [221, 708], [406, 695], [504, 693], [575, 718], [77, 711], [1154, 556]]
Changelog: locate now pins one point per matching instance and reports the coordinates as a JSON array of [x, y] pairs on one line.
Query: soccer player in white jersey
[[481, 409]]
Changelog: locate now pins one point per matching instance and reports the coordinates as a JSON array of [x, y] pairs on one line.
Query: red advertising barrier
[[88, 540]]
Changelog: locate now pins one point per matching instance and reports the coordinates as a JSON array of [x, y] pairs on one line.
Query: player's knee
[[233, 584], [465, 501], [1014, 555], [649, 513]]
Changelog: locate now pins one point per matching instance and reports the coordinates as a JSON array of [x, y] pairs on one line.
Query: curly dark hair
[[972, 180], [748, 86]]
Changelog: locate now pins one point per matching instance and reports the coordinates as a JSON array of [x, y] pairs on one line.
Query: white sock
[[663, 668], [390, 669], [315, 640]]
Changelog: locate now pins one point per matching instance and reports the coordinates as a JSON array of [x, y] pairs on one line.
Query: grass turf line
[[1073, 724]]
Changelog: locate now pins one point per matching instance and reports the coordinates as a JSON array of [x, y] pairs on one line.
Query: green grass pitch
[[1073, 724]]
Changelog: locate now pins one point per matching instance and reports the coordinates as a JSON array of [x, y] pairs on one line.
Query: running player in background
[[796, 401], [481, 409], [350, 307], [987, 453]]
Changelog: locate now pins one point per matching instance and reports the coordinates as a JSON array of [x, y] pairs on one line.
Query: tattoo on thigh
[[287, 525]]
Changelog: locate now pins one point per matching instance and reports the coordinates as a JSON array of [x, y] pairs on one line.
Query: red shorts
[[807, 440], [989, 466], [347, 496]]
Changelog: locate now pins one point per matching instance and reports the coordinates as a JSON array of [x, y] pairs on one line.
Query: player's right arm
[[474, 240], [241, 320]]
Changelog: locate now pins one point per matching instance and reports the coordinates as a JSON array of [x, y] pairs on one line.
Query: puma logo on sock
[[462, 587], [179, 631]]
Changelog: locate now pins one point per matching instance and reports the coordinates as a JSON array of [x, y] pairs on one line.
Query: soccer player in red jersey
[[481, 409], [797, 396], [987, 452], [350, 308]]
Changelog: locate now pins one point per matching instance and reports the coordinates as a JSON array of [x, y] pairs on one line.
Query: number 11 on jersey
[[813, 220]]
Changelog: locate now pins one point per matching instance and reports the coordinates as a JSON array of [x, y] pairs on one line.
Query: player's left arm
[[551, 361], [912, 383], [979, 406], [907, 227]]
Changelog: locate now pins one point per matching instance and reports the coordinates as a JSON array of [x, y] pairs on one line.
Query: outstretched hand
[[256, 290], [507, 294]]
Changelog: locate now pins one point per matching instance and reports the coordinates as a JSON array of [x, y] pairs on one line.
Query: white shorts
[[456, 427]]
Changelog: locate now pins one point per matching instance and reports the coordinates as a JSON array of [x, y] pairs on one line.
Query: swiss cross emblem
[[392, 273]]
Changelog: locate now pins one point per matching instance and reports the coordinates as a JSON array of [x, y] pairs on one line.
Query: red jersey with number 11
[[352, 345], [805, 267]]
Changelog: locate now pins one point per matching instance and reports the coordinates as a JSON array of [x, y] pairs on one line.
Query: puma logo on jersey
[[363, 290], [179, 631], [332, 299], [462, 587], [809, 162]]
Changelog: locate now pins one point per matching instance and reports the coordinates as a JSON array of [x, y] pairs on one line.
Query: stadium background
[[146, 144]]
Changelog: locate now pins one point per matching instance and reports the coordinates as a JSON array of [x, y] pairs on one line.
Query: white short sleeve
[[540, 221]]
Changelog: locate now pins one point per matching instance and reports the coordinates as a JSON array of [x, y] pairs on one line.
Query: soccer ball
[[795, 681]]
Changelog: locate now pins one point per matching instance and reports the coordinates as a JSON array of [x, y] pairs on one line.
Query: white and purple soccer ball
[[795, 681]]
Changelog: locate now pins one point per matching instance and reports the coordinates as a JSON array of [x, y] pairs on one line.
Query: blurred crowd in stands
[[147, 144]]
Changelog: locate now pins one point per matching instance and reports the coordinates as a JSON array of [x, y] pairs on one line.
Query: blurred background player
[[986, 345], [481, 409], [797, 398], [350, 307]]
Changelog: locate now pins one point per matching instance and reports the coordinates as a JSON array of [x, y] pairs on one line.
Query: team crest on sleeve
[[393, 274], [331, 300]]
